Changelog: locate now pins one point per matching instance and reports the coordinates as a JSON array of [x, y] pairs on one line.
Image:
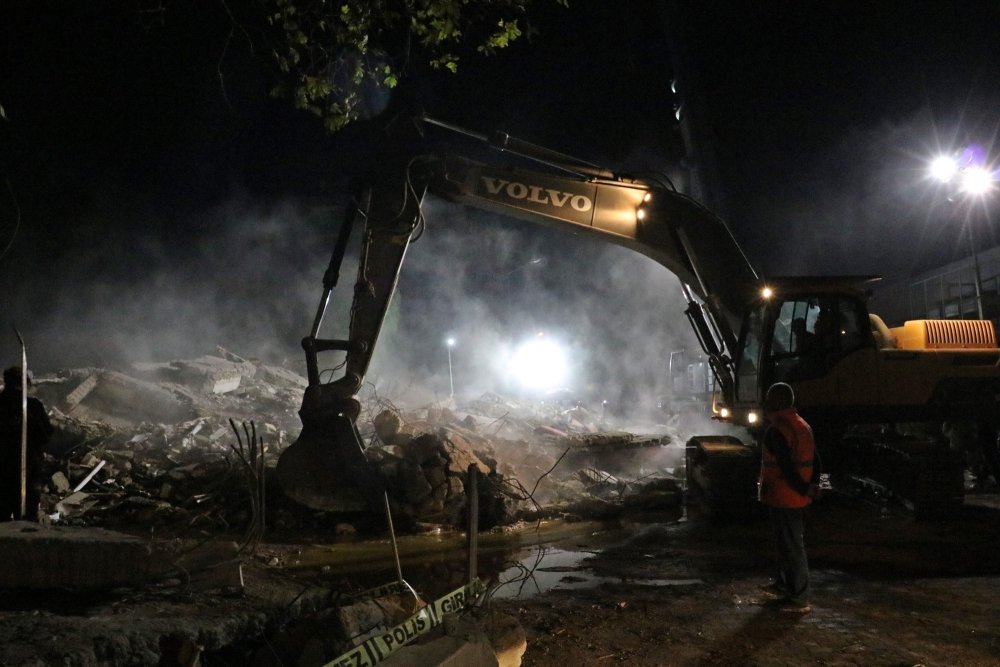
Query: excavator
[[862, 385]]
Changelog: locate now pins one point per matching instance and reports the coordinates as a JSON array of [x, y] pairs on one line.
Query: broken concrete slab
[[207, 374], [74, 397], [211, 375], [81, 559], [506, 636], [444, 652], [145, 627], [120, 400], [74, 504], [483, 638], [283, 376]]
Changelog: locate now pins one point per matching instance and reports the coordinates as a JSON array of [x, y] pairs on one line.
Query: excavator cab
[[801, 335]]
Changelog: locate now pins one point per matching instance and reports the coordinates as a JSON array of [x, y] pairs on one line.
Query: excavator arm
[[640, 214]]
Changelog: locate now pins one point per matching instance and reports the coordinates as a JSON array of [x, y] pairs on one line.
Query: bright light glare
[[944, 168], [767, 292], [976, 180], [752, 417], [640, 214], [450, 342], [539, 364]]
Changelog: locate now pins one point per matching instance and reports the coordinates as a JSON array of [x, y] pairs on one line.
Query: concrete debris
[[152, 448], [74, 397], [59, 482], [74, 504], [163, 438], [171, 623], [36, 557]]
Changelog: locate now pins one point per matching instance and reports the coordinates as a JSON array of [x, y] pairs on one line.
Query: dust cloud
[[249, 278], [491, 283]]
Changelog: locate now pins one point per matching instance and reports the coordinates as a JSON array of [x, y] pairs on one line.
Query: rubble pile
[[426, 466], [536, 461], [191, 446], [155, 445]]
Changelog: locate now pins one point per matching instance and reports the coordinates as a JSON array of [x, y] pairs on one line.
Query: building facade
[[945, 293]]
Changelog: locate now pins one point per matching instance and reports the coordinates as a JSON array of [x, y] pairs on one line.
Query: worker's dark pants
[[10, 500], [793, 568]]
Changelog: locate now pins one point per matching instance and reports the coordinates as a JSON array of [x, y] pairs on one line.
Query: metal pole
[[472, 493], [975, 266], [451, 378]]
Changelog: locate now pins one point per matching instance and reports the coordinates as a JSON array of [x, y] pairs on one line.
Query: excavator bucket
[[326, 469]]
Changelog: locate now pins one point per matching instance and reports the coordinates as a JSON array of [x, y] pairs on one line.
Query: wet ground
[[677, 589], [886, 590]]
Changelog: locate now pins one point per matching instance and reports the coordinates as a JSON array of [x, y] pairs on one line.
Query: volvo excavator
[[859, 383]]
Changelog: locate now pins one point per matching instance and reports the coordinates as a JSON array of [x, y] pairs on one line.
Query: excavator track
[[722, 476], [923, 474]]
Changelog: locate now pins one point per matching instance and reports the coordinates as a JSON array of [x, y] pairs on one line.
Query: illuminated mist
[[249, 279]]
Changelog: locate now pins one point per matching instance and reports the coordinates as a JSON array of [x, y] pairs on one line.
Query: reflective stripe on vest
[[775, 490]]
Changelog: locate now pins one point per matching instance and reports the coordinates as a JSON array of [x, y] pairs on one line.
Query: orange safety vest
[[774, 489]]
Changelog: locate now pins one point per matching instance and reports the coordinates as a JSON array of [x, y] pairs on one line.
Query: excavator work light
[[640, 213], [724, 413], [767, 292], [752, 417]]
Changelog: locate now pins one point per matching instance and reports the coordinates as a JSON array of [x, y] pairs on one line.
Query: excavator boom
[[637, 213]]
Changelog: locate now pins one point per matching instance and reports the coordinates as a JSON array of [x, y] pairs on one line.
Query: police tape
[[376, 649], [392, 588]]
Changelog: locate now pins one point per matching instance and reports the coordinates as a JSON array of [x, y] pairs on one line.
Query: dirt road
[[886, 590]]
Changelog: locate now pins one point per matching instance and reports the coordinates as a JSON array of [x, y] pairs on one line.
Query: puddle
[[546, 568], [522, 562]]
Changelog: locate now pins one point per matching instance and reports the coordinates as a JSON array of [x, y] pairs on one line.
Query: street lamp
[[971, 178], [451, 378]]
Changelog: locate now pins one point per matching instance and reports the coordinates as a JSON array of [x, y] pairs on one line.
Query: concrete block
[[74, 397], [63, 557], [444, 652], [211, 375], [59, 482]]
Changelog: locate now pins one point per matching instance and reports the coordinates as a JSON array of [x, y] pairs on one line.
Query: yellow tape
[[376, 649], [392, 588]]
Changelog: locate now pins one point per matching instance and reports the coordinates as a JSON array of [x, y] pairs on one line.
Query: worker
[[802, 339], [786, 487], [39, 432]]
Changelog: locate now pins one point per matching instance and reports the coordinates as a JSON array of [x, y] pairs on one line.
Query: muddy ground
[[886, 590], [677, 590]]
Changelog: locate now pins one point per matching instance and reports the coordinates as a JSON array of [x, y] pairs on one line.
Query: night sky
[[168, 205]]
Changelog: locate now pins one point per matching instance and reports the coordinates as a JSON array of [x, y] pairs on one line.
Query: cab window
[[811, 335], [747, 386]]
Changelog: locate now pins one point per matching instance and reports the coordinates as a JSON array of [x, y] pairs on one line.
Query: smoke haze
[[249, 279]]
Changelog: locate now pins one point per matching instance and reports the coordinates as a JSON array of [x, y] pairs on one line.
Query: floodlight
[[976, 180], [539, 364], [944, 168]]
